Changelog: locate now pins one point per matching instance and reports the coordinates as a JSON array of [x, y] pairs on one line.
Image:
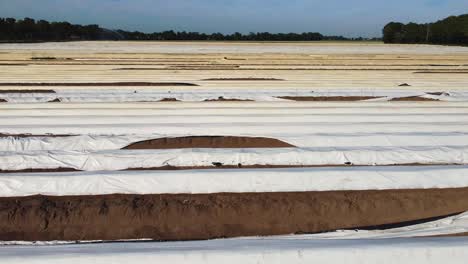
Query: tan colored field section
[[221, 65]]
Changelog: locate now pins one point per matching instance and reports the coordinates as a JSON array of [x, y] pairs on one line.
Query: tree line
[[30, 30], [171, 35], [450, 31]]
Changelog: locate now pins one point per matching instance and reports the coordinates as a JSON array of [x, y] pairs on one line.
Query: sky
[[350, 18]]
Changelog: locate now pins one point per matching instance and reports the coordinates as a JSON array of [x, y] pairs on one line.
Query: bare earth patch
[[169, 100], [217, 215], [222, 99], [43, 58], [413, 99], [209, 142], [438, 93]]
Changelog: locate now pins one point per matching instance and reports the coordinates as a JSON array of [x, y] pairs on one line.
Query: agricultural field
[[118, 152]]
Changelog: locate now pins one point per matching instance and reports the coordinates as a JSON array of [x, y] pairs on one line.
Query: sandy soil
[[189, 217]]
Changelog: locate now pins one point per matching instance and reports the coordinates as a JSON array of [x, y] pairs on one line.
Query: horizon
[[362, 18]]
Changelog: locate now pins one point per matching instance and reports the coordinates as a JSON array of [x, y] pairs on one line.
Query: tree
[[392, 32], [452, 30]]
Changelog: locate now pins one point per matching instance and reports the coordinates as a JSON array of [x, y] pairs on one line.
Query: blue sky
[[332, 17]]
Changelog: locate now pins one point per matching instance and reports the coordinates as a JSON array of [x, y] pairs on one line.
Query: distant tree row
[[261, 36], [264, 36], [30, 30], [450, 31]]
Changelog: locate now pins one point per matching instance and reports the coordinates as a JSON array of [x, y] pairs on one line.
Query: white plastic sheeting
[[294, 250], [194, 94], [238, 181], [310, 140], [309, 48], [362, 133], [77, 143], [298, 121], [124, 159], [457, 224]]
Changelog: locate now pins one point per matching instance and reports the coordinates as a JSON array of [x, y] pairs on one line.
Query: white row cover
[[304, 124], [229, 128], [305, 49], [309, 119], [457, 224], [136, 94], [196, 108], [267, 250], [237, 181], [316, 140], [125, 159]]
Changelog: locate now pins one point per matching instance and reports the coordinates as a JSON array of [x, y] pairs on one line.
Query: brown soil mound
[[228, 58], [207, 216], [452, 235], [222, 99], [56, 100], [43, 58], [242, 79], [102, 84], [169, 100], [404, 85], [328, 98], [413, 99], [209, 142], [25, 91], [13, 64], [3, 100]]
